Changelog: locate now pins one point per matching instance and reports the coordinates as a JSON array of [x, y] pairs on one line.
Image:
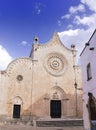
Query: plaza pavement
[[29, 127]]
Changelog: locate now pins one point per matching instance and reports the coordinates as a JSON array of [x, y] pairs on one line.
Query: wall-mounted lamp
[[87, 44], [77, 87], [92, 48]]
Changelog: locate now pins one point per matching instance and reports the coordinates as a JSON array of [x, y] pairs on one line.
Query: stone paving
[[29, 127], [44, 124]]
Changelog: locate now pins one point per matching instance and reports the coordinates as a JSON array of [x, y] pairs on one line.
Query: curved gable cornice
[[18, 61], [55, 40]]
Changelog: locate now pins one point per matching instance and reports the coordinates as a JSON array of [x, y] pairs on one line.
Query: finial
[[73, 46], [36, 39]]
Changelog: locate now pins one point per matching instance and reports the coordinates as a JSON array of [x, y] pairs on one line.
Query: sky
[[21, 20]]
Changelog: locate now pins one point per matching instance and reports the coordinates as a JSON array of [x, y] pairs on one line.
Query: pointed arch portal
[[56, 95]]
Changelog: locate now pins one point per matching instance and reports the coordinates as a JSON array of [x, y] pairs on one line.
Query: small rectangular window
[[89, 73]]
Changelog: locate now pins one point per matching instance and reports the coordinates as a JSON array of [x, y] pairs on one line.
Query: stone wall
[[33, 82]]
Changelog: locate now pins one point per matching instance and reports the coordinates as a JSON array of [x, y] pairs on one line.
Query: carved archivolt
[[55, 64], [17, 100], [23, 63], [57, 93]]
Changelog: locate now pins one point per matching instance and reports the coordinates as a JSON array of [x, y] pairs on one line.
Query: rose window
[[55, 64]]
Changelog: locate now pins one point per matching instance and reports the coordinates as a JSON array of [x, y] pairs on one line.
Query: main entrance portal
[[55, 108], [16, 111]]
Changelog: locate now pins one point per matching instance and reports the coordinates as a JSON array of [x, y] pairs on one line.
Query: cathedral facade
[[44, 85]]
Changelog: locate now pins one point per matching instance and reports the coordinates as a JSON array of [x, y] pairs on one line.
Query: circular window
[[19, 77], [55, 64]]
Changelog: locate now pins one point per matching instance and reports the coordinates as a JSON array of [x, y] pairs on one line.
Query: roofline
[[88, 42], [47, 43]]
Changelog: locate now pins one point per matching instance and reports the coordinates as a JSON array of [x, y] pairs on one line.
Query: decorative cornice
[[23, 61], [55, 40]]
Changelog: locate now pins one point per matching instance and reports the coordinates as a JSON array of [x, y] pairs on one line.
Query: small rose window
[[19, 77]]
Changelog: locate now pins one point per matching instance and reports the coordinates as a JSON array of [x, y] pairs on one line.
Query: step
[[59, 123]]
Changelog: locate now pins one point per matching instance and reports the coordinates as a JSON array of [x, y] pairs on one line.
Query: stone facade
[[34, 86]]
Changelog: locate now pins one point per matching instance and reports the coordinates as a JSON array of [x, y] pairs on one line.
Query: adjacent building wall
[[88, 56]]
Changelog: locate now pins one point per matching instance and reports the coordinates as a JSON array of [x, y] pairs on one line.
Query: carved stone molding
[[55, 64]]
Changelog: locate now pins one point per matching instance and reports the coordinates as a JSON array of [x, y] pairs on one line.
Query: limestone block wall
[[16, 84], [34, 82], [47, 58]]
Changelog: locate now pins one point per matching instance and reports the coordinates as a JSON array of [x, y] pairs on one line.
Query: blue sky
[[21, 20]]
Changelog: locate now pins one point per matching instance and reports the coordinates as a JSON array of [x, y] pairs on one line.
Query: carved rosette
[[55, 64]]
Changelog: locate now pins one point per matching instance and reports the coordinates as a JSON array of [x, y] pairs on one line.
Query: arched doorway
[[57, 95], [17, 107], [92, 111], [92, 106]]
